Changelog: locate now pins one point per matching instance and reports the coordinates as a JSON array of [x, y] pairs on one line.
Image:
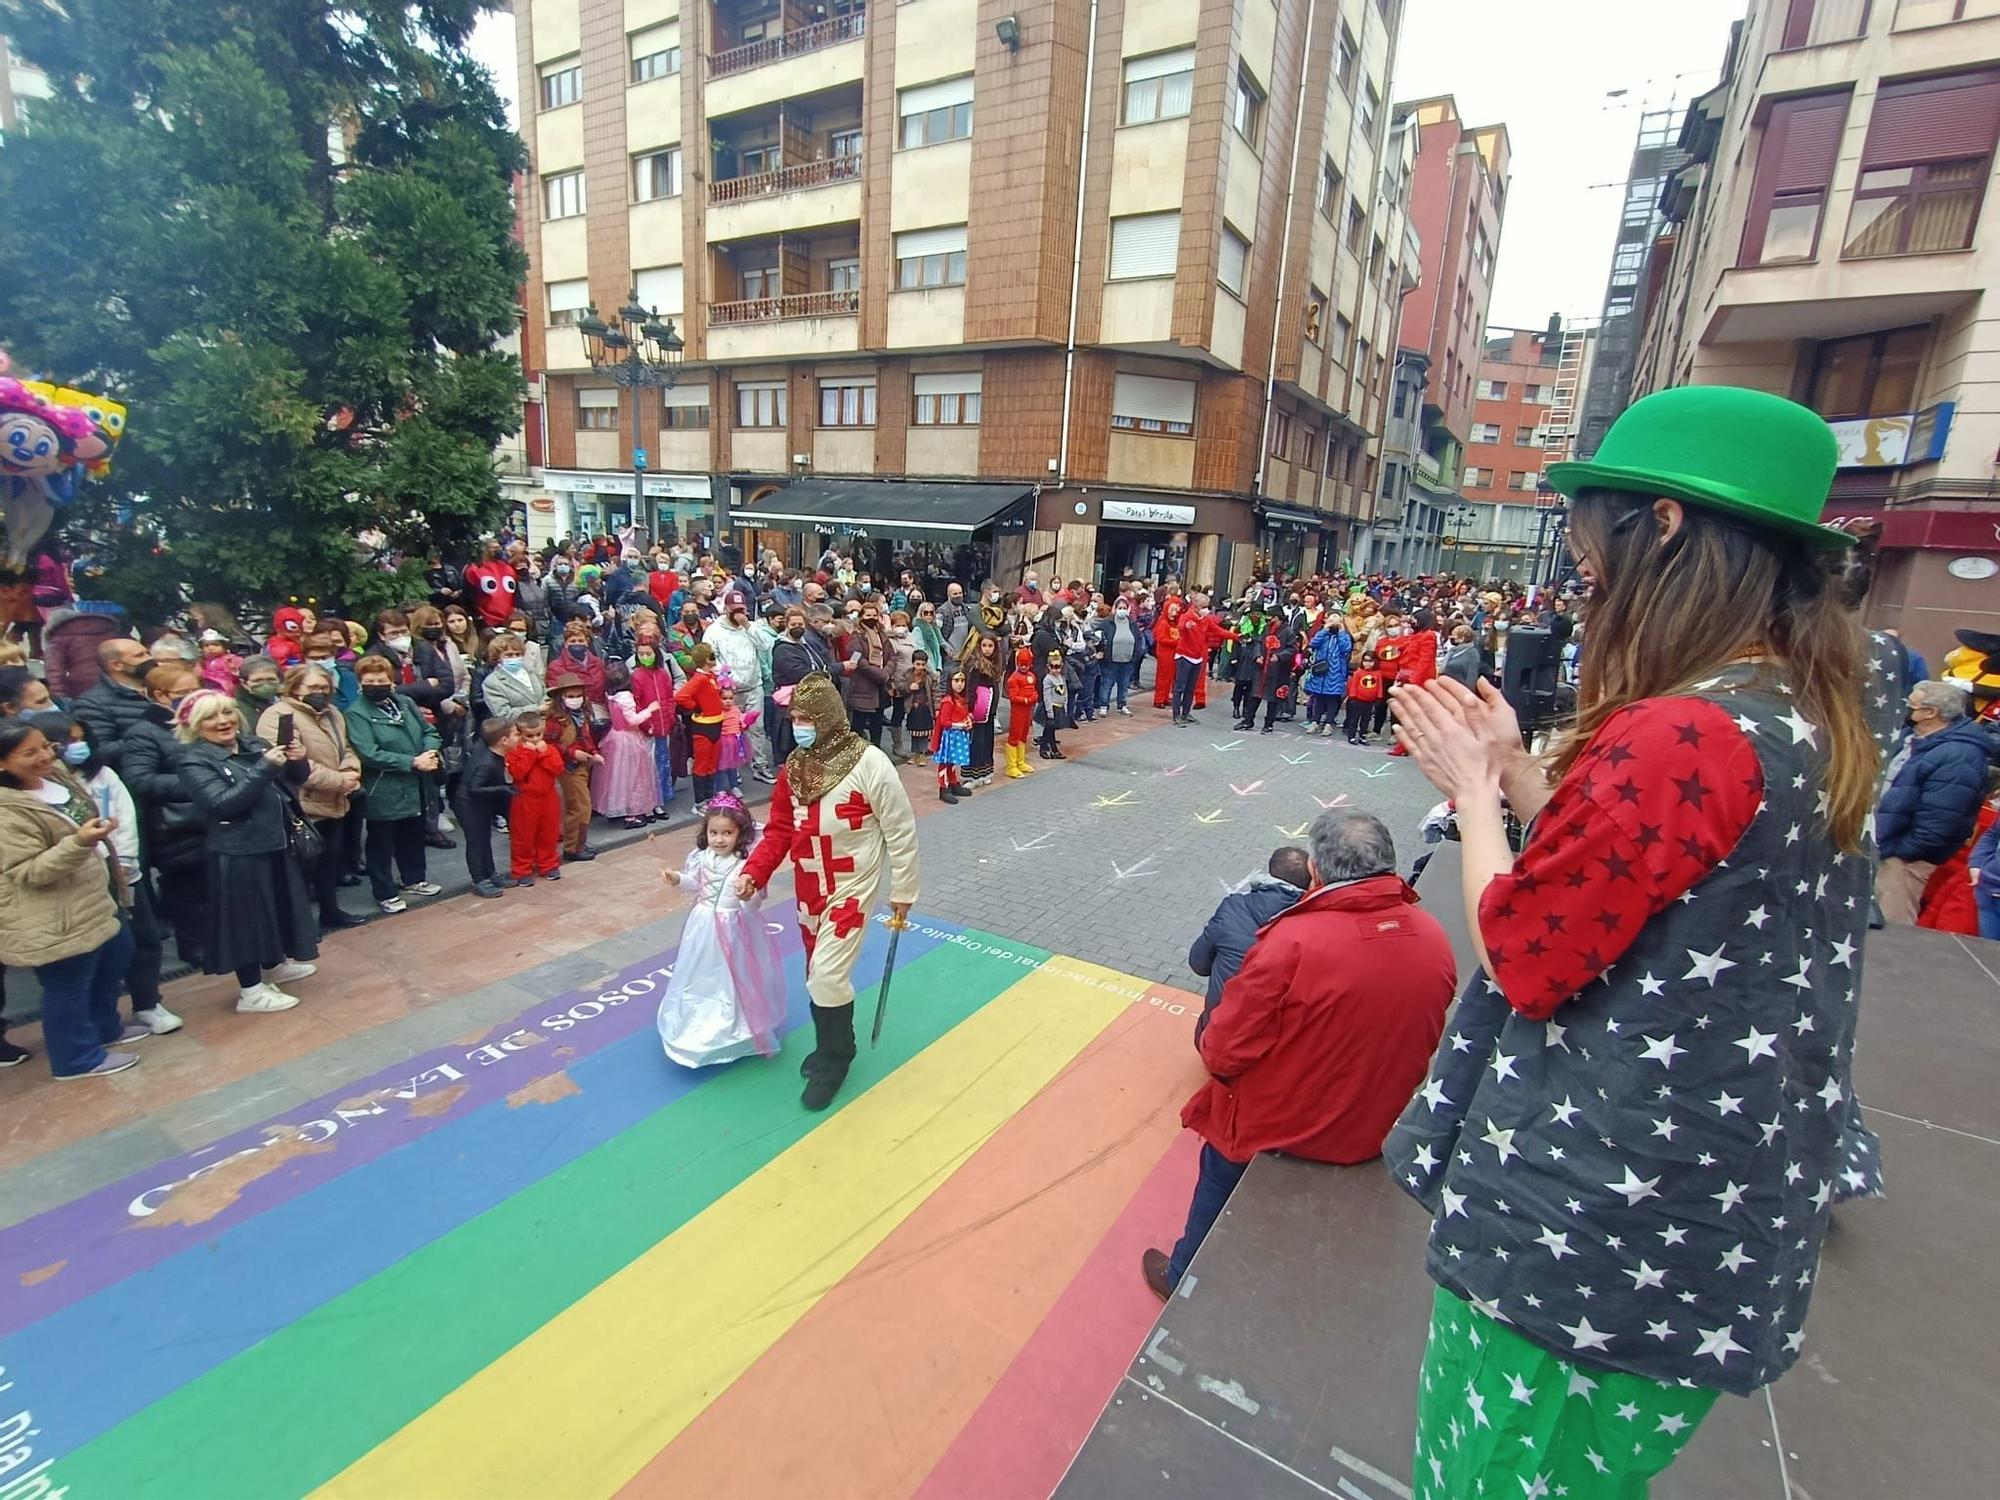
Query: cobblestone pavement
[[1119, 855]]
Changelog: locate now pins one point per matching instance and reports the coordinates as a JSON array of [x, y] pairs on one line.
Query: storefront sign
[[543, 505], [1894, 442], [1147, 513], [658, 486]]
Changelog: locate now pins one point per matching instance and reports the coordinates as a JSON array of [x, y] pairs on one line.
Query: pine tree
[[281, 231]]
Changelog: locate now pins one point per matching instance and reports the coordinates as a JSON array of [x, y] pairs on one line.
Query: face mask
[[263, 692], [317, 701], [577, 649], [645, 656], [796, 632], [434, 632], [320, 661], [378, 692], [899, 631], [804, 734], [572, 702], [513, 664], [77, 753], [396, 642], [1122, 613]]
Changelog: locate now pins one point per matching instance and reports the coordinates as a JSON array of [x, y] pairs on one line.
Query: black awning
[[935, 511], [1283, 516]]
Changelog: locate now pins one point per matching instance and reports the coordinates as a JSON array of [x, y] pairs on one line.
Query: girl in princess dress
[[726, 996], [625, 784]]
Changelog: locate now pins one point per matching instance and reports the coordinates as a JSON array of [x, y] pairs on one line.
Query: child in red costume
[[1021, 697], [1166, 633], [288, 631], [701, 697], [1417, 660], [534, 817], [951, 739]]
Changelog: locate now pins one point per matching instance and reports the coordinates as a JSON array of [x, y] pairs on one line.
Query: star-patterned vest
[[1643, 1181]]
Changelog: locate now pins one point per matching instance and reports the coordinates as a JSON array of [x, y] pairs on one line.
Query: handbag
[[304, 840]]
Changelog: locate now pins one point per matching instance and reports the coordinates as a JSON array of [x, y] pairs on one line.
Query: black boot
[[826, 1069]]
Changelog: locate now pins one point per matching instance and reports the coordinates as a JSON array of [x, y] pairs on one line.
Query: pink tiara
[[727, 802]]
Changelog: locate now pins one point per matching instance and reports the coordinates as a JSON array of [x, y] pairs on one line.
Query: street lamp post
[[1457, 519], [1551, 509], [637, 353]]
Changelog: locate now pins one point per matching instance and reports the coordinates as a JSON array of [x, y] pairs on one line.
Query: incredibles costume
[[534, 817], [701, 697]]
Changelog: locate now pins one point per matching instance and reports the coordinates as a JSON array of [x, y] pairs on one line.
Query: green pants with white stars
[[1502, 1417]]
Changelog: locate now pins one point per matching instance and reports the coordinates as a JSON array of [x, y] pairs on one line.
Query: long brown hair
[[1668, 612]]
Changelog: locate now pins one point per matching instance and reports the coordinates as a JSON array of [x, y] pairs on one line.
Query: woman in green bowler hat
[[1631, 1141]]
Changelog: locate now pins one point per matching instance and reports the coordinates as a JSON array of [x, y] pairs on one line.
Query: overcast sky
[[1541, 67]]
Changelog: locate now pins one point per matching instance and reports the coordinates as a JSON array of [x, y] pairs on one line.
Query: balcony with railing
[[785, 309], [800, 41], [792, 178]]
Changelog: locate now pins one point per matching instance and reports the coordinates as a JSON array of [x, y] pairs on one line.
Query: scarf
[[816, 769]]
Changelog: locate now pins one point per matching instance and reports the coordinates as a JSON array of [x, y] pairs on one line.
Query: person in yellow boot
[[1022, 696]]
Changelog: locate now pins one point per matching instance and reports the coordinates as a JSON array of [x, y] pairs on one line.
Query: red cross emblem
[[818, 870], [846, 917], [853, 810]]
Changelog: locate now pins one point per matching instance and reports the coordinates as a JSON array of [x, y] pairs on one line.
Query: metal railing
[[795, 43], [784, 309], [805, 174]]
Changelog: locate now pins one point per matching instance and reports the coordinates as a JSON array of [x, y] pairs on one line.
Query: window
[[1281, 433], [1329, 189], [843, 275], [848, 402], [657, 174], [1485, 432], [931, 257], [1235, 261], [658, 289], [567, 300], [761, 404], [1788, 192], [1534, 395], [845, 143], [1364, 117], [1145, 245], [950, 400], [1525, 479], [1478, 479], [686, 409], [1493, 390], [1246, 107], [596, 410], [1160, 87], [562, 195], [656, 52], [562, 83], [1344, 55], [1343, 337], [1357, 226], [1146, 403], [1527, 437], [1874, 375], [936, 112], [1924, 169], [759, 282]]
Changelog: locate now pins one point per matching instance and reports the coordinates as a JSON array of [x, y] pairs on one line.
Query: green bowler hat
[[1759, 457]]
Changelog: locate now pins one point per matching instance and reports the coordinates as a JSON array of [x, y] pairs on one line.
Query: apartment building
[[1525, 403], [1092, 287], [20, 85], [1833, 238], [1457, 206]]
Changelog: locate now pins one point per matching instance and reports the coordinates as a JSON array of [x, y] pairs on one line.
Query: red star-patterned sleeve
[[1662, 795], [776, 840]]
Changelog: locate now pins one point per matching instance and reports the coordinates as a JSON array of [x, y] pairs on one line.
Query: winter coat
[[1417, 656], [1928, 810], [484, 786], [1326, 664], [69, 648], [1116, 640], [793, 661], [1220, 949], [239, 792], [328, 753], [57, 898], [589, 671], [174, 829], [1462, 662], [1276, 652], [1328, 1028], [501, 694], [109, 711], [868, 687], [386, 747], [655, 686], [737, 650], [531, 597]]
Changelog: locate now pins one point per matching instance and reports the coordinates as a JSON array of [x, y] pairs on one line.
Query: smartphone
[[285, 729]]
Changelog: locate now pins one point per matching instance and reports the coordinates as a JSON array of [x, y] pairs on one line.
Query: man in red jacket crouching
[[1325, 1032]]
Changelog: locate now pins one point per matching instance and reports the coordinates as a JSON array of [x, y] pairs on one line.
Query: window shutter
[[955, 383], [659, 289], [597, 396], [1145, 245], [569, 296], [1160, 65], [656, 39], [684, 396], [949, 239], [1234, 261], [1808, 132], [1935, 120], [1147, 398], [931, 96]]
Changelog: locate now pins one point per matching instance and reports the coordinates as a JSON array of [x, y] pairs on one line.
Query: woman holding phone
[[307, 715]]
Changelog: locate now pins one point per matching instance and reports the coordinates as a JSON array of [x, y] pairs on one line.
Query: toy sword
[[896, 926]]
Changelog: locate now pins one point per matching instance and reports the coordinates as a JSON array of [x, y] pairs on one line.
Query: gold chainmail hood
[[814, 770]]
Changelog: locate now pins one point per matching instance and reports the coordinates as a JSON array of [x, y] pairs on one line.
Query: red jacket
[[701, 696], [1328, 1028], [535, 767], [952, 713], [1197, 635], [1419, 659]]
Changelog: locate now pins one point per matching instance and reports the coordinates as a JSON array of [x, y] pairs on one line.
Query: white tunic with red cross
[[838, 846]]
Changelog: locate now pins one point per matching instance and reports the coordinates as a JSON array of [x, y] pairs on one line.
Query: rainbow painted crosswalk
[[545, 1261]]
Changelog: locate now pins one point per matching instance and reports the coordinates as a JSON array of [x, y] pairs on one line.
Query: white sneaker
[[393, 905], [445, 824], [423, 888], [262, 998], [159, 1020], [290, 970]]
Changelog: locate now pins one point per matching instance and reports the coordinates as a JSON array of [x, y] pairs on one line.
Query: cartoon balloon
[[38, 461]]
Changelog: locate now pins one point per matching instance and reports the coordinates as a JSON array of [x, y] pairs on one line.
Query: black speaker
[[1529, 676]]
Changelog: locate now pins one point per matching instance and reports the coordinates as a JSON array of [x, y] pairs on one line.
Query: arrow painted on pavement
[[1137, 872], [1340, 801], [1175, 771], [1251, 790], [1385, 768], [1295, 760], [1211, 817], [1230, 746], [1123, 799], [1034, 843], [1293, 833]]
